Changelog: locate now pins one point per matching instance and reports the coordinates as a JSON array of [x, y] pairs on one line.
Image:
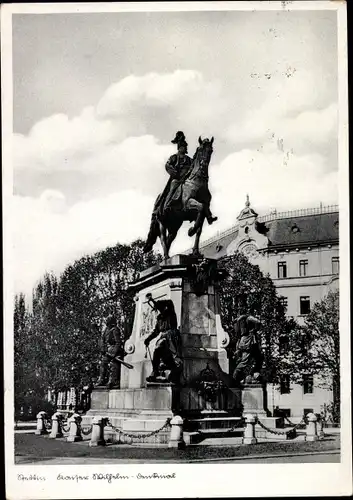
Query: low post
[[311, 428], [249, 431], [56, 431], [319, 426], [176, 433], [41, 429], [75, 428], [97, 437]]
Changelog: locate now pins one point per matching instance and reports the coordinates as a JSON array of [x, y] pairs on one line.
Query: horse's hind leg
[[163, 238], [172, 232], [194, 205], [196, 248]]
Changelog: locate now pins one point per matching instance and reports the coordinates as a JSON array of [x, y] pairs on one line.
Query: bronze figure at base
[[247, 352], [166, 361], [112, 351]]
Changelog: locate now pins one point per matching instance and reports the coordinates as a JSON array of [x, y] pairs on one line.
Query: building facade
[[300, 252]]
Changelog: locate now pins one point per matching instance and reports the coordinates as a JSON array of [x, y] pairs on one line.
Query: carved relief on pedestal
[[148, 320]]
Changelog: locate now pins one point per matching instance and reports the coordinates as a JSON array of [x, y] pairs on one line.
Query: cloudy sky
[[98, 98]]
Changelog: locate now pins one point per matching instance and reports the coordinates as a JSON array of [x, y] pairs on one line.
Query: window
[[285, 385], [281, 412], [284, 302], [303, 268], [308, 384], [308, 410], [335, 265], [282, 269], [304, 305]]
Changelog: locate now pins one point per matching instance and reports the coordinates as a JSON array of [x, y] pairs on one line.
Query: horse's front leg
[[196, 248]]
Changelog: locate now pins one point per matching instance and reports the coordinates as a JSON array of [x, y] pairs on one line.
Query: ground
[[31, 449]]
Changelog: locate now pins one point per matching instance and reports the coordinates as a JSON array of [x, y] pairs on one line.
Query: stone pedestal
[[203, 338], [203, 350], [253, 400]]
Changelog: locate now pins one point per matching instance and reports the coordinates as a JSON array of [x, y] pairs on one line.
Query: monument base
[[253, 400], [140, 412], [144, 410]]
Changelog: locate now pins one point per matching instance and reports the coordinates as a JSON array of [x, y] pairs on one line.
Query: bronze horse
[[193, 197]]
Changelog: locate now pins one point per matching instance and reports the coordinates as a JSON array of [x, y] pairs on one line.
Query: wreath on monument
[[208, 385]]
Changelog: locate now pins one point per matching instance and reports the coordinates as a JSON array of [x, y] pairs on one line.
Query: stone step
[[211, 423], [214, 419], [195, 437]]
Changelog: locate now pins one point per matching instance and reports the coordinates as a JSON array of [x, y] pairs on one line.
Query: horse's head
[[204, 152]]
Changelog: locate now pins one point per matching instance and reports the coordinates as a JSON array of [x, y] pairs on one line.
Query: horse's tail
[[152, 235]]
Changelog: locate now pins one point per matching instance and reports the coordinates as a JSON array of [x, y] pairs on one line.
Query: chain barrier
[[48, 423], [302, 422], [237, 425], [86, 432], [65, 429], [139, 436], [279, 433]]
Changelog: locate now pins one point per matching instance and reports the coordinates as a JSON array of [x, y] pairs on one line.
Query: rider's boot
[[152, 377], [211, 219]]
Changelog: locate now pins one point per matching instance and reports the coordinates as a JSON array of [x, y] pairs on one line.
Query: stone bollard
[[249, 431], [176, 433], [56, 431], [311, 428], [97, 437], [41, 429], [75, 428], [319, 426]]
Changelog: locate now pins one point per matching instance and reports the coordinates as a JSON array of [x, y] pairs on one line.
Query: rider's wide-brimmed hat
[[179, 136]]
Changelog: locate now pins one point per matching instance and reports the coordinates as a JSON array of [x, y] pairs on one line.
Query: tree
[[28, 358], [69, 313], [20, 361], [322, 355], [247, 290]]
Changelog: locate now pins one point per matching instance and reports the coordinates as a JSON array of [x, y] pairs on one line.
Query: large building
[[300, 252]]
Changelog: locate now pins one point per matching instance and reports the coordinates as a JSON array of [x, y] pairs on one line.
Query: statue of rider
[[178, 167], [167, 353]]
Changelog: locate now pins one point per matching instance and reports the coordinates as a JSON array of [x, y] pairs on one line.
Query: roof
[[217, 248], [310, 229], [297, 228]]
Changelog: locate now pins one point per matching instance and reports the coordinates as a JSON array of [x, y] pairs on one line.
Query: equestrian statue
[[186, 196]]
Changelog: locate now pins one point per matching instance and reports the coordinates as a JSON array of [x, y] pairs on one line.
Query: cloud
[[47, 235], [273, 179], [99, 172]]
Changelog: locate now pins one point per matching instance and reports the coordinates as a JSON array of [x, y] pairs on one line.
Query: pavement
[[318, 457], [41, 450]]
